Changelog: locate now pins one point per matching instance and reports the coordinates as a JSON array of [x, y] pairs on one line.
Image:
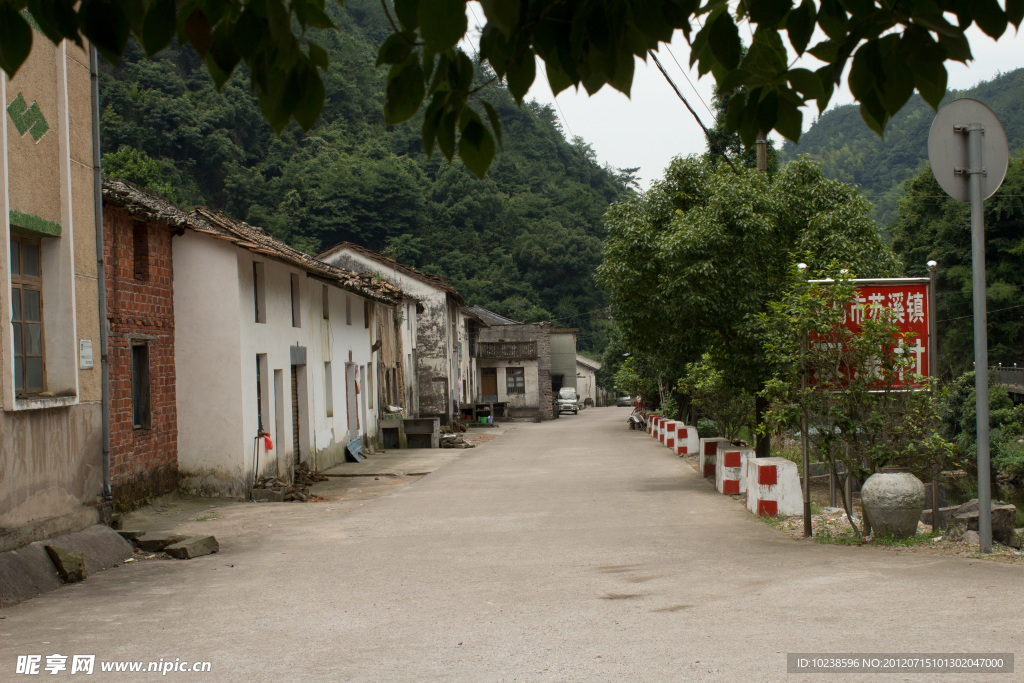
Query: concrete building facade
[[514, 366], [563, 358], [51, 450]]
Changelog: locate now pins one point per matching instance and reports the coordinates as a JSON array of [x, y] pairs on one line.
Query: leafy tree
[[933, 226], [892, 49], [689, 265], [850, 388], [135, 166], [713, 399]]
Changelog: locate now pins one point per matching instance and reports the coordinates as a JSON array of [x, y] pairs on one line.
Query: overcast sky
[[652, 126]]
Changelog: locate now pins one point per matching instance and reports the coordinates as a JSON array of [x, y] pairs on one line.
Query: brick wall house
[[140, 309]]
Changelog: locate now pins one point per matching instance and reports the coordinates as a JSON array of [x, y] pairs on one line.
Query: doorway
[[352, 400], [296, 451], [489, 385]]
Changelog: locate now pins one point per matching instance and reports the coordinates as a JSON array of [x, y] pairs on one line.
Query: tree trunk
[[763, 448]]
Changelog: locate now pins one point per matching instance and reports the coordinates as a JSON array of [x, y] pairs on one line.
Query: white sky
[[652, 126]]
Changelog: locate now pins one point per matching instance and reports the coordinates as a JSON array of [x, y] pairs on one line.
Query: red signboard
[[911, 305]]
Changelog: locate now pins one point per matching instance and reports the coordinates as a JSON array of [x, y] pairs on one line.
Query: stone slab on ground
[[28, 571], [131, 535], [1003, 519], [70, 563], [268, 495], [158, 543], [196, 546]]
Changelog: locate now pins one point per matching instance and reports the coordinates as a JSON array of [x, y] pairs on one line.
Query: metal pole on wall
[[976, 170], [933, 345]]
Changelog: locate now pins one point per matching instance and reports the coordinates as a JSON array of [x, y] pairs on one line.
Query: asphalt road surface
[[573, 550]]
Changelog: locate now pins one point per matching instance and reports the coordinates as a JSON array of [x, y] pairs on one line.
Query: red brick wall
[[142, 461]]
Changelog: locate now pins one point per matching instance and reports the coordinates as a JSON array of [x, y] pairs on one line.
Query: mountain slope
[[524, 241], [850, 152]]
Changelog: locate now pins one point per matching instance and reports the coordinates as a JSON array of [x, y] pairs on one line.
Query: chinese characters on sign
[[908, 302]]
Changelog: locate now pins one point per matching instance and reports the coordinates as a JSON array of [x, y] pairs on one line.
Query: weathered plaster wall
[[563, 356], [538, 396], [50, 445]]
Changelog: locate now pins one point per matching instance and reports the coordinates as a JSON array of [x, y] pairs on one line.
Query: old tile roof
[[431, 280], [150, 207], [490, 317], [589, 362]]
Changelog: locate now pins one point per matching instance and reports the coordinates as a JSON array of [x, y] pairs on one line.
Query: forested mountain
[[849, 151], [523, 242]]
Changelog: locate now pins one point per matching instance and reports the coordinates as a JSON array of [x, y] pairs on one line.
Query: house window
[[366, 314], [140, 250], [326, 304], [141, 410], [348, 309], [328, 389], [262, 394], [296, 302], [259, 293], [27, 316], [515, 380]]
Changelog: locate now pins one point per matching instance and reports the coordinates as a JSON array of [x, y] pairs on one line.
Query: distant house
[[586, 380], [266, 341], [437, 358], [563, 358], [52, 466]]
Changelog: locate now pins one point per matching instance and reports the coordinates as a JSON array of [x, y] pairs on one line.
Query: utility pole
[[762, 153], [762, 444]]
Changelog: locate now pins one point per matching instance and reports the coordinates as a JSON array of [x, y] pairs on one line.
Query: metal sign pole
[[933, 355], [976, 171]]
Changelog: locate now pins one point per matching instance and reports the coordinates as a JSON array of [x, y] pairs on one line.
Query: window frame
[[19, 283], [259, 291], [296, 293], [140, 251], [515, 381], [144, 383]]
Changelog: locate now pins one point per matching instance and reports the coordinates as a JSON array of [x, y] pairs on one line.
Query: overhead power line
[[707, 133], [683, 71]]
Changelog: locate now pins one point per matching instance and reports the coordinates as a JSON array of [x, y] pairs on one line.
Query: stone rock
[[1016, 543], [893, 502], [268, 495], [971, 537], [131, 535], [70, 563], [193, 547], [155, 545], [1003, 519], [944, 515]]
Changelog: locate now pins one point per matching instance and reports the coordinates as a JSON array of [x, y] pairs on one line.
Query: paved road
[[573, 550]]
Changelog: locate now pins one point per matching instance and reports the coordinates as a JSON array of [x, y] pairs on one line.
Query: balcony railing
[[1011, 378], [506, 349]]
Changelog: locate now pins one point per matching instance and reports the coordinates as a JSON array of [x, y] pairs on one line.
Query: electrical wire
[[994, 310], [707, 133], [683, 71]]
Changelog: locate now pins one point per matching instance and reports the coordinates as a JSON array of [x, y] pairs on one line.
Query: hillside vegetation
[[850, 152], [523, 242]]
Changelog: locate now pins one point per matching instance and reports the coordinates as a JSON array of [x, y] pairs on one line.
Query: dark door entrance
[[297, 458]]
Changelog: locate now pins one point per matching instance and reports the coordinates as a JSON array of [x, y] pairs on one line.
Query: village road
[[573, 550]]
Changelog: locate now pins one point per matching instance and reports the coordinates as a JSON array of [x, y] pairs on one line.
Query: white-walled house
[[267, 340], [586, 379], [437, 362]]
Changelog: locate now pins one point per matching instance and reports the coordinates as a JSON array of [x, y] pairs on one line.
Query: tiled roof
[[492, 318], [589, 362], [150, 207], [431, 280]]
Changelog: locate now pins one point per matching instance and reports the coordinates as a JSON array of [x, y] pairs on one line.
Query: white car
[[568, 400]]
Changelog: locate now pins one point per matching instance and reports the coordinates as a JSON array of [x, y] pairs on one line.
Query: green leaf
[[492, 115], [956, 47], [558, 80], [520, 75], [406, 11], [767, 111], [502, 13], [197, 30], [832, 19], [311, 14], [800, 25], [767, 12], [806, 82], [57, 19], [105, 24], [15, 39], [930, 79], [311, 102], [1015, 12], [248, 33], [989, 17], [476, 146], [826, 75], [431, 119], [496, 50], [733, 80], [318, 56], [404, 92], [442, 23], [446, 132], [396, 48], [222, 53], [735, 113], [624, 66], [650, 19], [894, 78], [724, 40], [158, 26], [789, 120]]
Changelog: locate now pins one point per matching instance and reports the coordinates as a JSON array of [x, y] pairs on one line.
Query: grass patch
[[848, 537], [206, 518]]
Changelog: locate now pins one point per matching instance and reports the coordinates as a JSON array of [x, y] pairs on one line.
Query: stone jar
[[892, 500]]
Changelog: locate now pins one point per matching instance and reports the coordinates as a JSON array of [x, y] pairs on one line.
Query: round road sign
[[947, 148]]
